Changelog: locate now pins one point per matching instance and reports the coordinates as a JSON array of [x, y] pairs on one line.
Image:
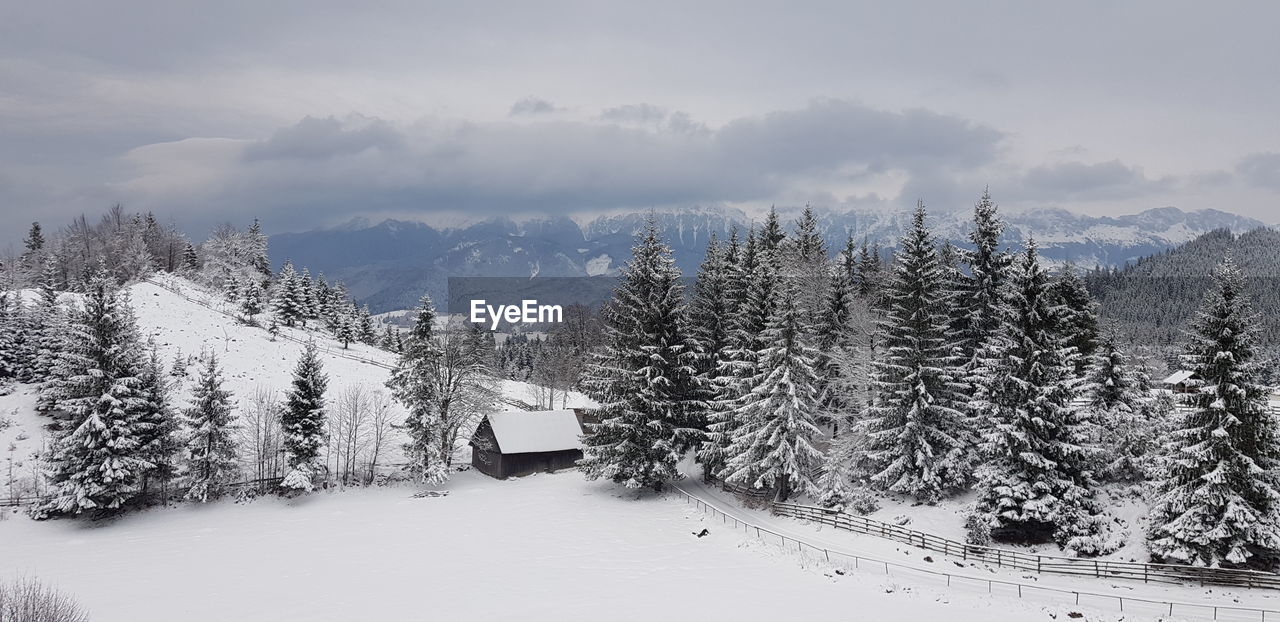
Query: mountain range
[[388, 265]]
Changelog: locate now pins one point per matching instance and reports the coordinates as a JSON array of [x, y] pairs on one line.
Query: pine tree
[[96, 465], [738, 357], [309, 296], [1036, 483], [983, 294], [345, 327], [413, 384], [257, 250], [33, 244], [96, 461], [303, 422], [1116, 394], [1076, 314], [365, 331], [212, 461], [9, 331], [773, 445], [289, 304], [1219, 500], [190, 260], [919, 442], [711, 319], [645, 378], [157, 424], [252, 298], [100, 343]]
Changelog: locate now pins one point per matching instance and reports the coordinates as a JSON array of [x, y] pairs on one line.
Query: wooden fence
[[1206, 611], [1077, 566]]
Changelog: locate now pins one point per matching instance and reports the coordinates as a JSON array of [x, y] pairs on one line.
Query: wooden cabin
[[514, 443], [1181, 382]]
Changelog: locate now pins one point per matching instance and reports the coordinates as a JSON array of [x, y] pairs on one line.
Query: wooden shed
[[515, 443], [1181, 382]]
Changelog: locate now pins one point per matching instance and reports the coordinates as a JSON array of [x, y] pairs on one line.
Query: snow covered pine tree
[[303, 422], [1219, 500], [646, 377], [1036, 484], [919, 442], [95, 461], [212, 461], [773, 446]]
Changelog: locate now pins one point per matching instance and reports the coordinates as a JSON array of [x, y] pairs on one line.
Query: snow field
[[546, 547]]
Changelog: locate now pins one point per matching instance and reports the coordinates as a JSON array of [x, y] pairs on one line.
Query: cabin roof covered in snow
[[520, 432], [1178, 377]]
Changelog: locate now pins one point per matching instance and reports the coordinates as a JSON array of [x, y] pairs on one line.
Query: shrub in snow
[[27, 600], [977, 528]]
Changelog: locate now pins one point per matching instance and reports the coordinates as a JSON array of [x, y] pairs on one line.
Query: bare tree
[[260, 435], [351, 435], [381, 424]]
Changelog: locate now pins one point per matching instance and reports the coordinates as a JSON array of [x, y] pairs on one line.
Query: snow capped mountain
[[390, 264]]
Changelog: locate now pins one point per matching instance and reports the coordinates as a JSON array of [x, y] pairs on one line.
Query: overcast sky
[[309, 113]]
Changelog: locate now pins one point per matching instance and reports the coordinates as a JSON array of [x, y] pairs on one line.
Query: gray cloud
[[635, 113], [194, 108], [1261, 170], [1081, 181], [325, 168], [531, 106]]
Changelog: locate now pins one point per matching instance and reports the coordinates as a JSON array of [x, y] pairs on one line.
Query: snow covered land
[[219, 441]]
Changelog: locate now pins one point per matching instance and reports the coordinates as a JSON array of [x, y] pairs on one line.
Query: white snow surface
[[545, 547], [523, 432]]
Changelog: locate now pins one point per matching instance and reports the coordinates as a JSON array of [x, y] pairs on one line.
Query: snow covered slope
[[185, 321], [546, 547]]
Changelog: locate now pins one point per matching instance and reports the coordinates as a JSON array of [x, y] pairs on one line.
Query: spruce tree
[[96, 460], [9, 330], [289, 304], [159, 441], [100, 343], [365, 330], [96, 465], [212, 461], [303, 422], [1036, 483], [252, 298], [735, 356], [919, 442], [1219, 499], [1117, 396], [711, 320], [413, 384], [257, 250], [1076, 315], [190, 260], [345, 326], [773, 446], [646, 377], [983, 294]]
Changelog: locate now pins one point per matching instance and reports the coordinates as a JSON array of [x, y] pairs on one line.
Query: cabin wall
[[516, 465]]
